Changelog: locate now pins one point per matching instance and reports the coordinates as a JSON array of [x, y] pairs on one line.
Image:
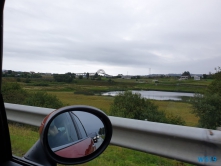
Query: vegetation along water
[[46, 91]]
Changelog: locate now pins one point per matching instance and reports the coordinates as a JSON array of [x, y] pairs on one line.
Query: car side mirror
[[75, 134]]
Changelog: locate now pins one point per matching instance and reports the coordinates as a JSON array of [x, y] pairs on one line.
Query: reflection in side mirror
[[75, 134]]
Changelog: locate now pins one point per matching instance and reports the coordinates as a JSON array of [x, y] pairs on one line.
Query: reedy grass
[[69, 98], [97, 86], [182, 109], [23, 137]]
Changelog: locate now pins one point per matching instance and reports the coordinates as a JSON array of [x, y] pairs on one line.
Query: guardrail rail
[[189, 144]]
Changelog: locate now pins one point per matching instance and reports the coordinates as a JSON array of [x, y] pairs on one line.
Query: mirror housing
[[94, 136]]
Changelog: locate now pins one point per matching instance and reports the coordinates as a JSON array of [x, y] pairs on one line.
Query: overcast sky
[[134, 37]]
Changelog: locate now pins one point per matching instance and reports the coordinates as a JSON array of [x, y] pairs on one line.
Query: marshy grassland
[[182, 109], [87, 92], [23, 138]]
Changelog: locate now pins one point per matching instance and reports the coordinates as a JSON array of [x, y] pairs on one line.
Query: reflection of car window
[[61, 131], [71, 129], [81, 128]]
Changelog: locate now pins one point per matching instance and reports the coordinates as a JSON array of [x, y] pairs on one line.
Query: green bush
[[27, 80], [18, 80], [175, 119], [215, 86], [129, 105], [42, 99], [13, 93], [40, 84], [63, 78], [208, 106], [208, 109]]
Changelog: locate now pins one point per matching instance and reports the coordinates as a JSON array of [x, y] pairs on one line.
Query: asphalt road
[[99, 142]]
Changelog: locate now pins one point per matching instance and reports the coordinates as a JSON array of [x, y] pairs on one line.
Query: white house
[[126, 77], [184, 78], [196, 78]]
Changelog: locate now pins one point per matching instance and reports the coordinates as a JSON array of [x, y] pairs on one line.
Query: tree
[[10, 71], [208, 109], [72, 75], [87, 75], [204, 76], [129, 105], [215, 86], [101, 131], [96, 75], [208, 106], [63, 78], [186, 73]]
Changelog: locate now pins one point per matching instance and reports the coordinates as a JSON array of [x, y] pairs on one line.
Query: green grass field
[[104, 85], [177, 108], [23, 137]]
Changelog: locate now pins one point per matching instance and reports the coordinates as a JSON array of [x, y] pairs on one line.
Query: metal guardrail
[[26, 114], [189, 144]]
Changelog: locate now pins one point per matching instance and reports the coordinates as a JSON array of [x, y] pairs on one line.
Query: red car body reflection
[[82, 147], [77, 150]]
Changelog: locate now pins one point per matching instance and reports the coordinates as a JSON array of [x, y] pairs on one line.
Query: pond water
[[156, 95]]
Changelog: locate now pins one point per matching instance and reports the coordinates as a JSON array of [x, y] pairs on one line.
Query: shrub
[[208, 106], [63, 78], [42, 99], [215, 86], [208, 109], [41, 84], [27, 80], [13, 93], [129, 105]]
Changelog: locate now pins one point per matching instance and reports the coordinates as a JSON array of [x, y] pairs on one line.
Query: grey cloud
[[137, 34]]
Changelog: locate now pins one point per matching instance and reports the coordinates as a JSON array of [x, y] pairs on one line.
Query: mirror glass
[[75, 134]]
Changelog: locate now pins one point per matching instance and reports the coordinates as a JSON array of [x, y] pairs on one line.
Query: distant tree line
[[101, 131], [135, 77], [67, 77], [11, 73]]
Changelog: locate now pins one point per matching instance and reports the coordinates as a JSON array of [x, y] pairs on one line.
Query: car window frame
[[79, 135], [76, 126], [73, 116], [5, 143]]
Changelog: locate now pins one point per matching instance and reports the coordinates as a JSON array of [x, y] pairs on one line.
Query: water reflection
[[156, 95]]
